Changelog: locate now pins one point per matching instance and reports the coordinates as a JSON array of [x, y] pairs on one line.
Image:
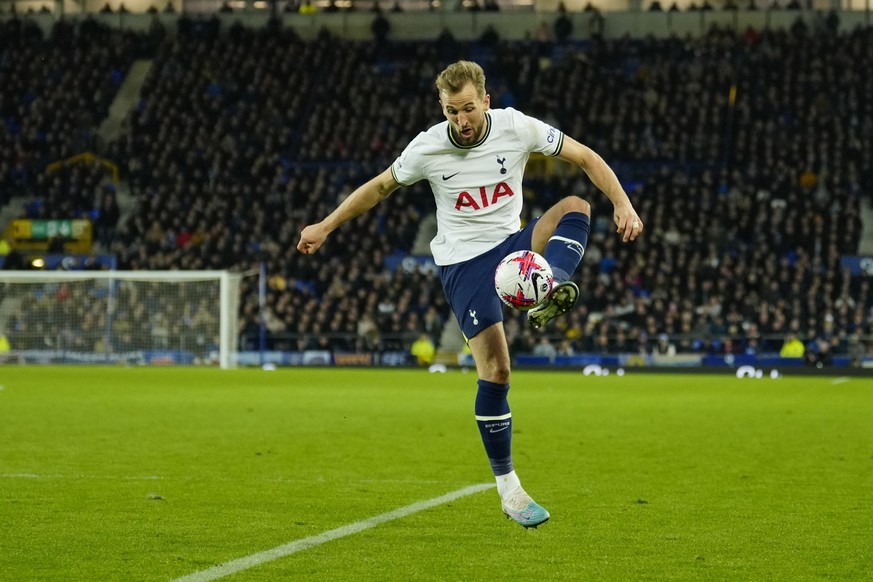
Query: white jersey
[[477, 188]]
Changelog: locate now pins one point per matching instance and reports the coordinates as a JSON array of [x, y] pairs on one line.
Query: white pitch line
[[253, 560], [840, 380]]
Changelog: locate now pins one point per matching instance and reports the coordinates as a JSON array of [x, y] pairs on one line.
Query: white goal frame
[[229, 295]]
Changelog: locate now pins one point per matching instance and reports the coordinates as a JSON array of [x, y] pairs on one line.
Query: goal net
[[127, 317]]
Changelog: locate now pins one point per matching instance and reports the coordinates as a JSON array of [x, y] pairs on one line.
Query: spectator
[[563, 25], [423, 350], [544, 348], [565, 348], [380, 26], [792, 347], [107, 220], [664, 346], [857, 350], [14, 260], [5, 348], [368, 334], [818, 353], [596, 23], [489, 38]]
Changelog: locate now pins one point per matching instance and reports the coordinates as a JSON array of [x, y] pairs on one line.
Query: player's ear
[[487, 101]]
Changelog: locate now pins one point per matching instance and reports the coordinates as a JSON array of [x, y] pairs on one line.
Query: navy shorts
[[469, 286]]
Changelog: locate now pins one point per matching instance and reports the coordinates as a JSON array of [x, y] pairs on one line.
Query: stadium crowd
[[54, 93], [748, 155]]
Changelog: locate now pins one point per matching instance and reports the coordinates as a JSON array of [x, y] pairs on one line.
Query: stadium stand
[[54, 93], [748, 154]]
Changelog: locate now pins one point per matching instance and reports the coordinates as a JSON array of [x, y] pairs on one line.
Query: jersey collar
[[478, 143]]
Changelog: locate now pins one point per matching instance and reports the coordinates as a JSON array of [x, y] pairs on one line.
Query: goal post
[[127, 317]]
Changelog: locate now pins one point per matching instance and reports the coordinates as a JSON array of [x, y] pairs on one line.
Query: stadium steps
[[126, 201], [427, 229], [13, 209], [451, 340], [126, 99], [865, 246], [113, 126]]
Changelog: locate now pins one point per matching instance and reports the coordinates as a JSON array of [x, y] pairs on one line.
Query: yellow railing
[[86, 158]]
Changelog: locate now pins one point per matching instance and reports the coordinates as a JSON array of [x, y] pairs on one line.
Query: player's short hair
[[456, 76]]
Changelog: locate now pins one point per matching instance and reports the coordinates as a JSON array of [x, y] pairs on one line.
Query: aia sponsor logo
[[483, 198]]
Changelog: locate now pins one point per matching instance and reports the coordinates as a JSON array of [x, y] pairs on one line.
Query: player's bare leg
[[491, 355], [548, 222]]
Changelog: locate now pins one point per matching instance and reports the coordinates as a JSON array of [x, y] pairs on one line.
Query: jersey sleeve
[[407, 169], [539, 136]]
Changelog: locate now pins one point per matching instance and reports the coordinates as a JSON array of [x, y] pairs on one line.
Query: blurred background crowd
[[747, 154]]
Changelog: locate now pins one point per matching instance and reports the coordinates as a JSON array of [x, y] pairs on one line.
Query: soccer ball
[[523, 279]]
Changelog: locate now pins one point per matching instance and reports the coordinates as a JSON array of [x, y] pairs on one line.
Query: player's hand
[[311, 239], [629, 224]]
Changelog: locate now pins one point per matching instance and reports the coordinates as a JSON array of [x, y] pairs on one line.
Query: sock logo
[[577, 248], [497, 427], [571, 244], [473, 315]]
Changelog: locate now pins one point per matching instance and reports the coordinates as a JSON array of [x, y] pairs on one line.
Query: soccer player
[[474, 162]]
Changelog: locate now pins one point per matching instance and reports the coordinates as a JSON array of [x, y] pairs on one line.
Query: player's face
[[465, 111]]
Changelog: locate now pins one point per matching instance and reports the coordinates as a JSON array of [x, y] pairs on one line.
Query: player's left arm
[[628, 223]]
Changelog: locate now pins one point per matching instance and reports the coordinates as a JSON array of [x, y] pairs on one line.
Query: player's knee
[[498, 373], [576, 204], [502, 377]]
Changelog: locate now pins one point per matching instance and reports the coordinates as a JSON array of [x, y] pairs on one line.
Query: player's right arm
[[360, 201]]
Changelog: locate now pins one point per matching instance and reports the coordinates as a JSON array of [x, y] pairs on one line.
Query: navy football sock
[[495, 425], [565, 249]]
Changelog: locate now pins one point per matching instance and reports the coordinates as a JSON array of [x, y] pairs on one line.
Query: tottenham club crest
[[502, 167]]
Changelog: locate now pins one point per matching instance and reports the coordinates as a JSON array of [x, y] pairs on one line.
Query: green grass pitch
[[156, 473]]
